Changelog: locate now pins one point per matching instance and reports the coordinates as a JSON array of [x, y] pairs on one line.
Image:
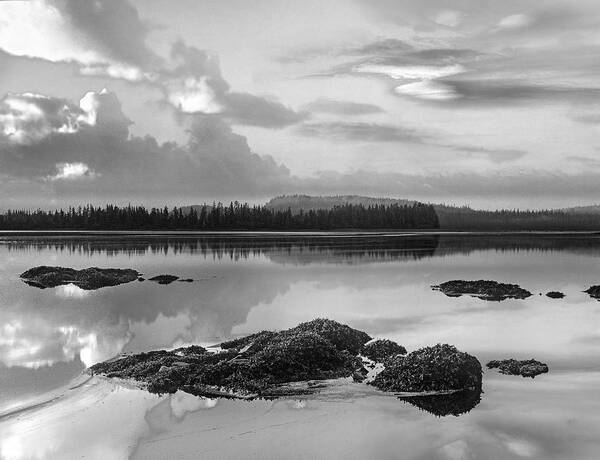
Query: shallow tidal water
[[247, 283]]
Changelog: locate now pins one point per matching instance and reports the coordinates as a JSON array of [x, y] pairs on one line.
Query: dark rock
[[555, 295], [593, 291], [141, 278], [89, 278], [186, 280], [483, 289], [437, 368], [525, 368], [441, 405], [380, 350], [164, 279], [256, 365]]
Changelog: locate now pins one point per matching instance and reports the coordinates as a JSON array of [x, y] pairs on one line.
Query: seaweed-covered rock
[[252, 366], [483, 289], [525, 368], [593, 291], [382, 349], [89, 278], [555, 295], [342, 337], [437, 368], [441, 405], [164, 279]]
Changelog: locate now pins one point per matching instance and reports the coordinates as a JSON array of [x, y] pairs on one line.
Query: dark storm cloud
[[360, 132], [347, 108]]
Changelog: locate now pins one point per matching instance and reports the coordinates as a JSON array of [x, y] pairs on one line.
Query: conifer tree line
[[235, 216]]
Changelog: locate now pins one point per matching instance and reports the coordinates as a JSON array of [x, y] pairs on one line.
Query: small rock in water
[[593, 291], [483, 289], [164, 279], [141, 278], [381, 349], [89, 278], [555, 295], [186, 280], [437, 368], [525, 368]]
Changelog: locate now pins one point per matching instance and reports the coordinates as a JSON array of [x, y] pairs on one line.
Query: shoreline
[[308, 233]]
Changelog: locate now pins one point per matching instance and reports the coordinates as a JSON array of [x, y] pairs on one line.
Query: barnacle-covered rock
[[483, 289], [437, 368], [89, 278]]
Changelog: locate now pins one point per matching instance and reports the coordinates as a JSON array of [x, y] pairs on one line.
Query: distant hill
[[460, 218], [593, 209], [307, 202]]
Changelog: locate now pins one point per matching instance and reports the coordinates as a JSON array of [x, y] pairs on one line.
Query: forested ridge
[[235, 216]]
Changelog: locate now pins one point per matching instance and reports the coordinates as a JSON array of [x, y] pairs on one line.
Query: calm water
[[380, 284]]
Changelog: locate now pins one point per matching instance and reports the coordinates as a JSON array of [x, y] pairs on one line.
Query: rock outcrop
[[164, 279], [254, 366], [525, 368], [382, 349], [483, 289], [437, 368], [593, 291], [89, 278]]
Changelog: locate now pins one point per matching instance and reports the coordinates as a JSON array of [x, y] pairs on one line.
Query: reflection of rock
[[437, 368], [483, 289], [593, 291], [164, 279], [525, 368], [379, 350], [555, 295], [457, 403], [88, 278], [254, 366]]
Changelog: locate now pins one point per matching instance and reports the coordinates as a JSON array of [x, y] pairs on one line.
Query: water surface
[[377, 283]]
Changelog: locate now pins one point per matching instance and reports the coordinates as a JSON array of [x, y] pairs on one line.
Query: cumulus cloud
[[194, 84], [72, 171], [214, 162], [108, 38], [102, 37]]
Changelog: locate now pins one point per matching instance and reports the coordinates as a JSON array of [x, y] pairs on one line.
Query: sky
[[476, 102]]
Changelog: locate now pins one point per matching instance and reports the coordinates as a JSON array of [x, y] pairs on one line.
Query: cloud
[[448, 18], [428, 90], [108, 38], [195, 85], [72, 171], [588, 118], [494, 155], [215, 162], [411, 72], [104, 38], [501, 90], [360, 132], [514, 21], [348, 108]]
